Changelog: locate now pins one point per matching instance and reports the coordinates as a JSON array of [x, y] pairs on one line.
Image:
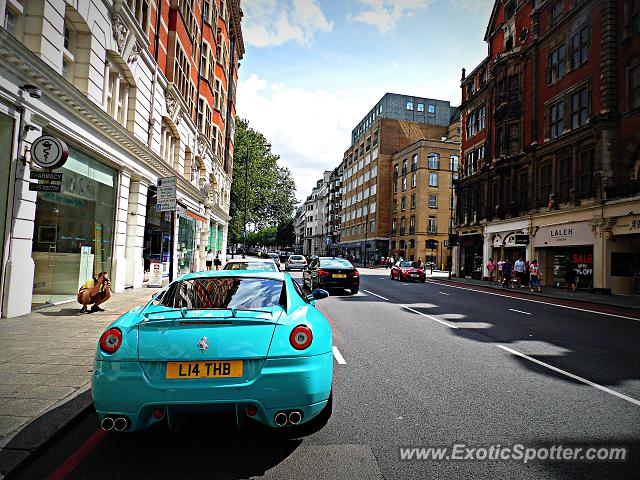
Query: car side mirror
[[319, 294]]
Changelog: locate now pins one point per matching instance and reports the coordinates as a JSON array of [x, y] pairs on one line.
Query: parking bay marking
[[376, 295], [519, 311], [442, 293], [338, 356], [571, 375], [430, 317]]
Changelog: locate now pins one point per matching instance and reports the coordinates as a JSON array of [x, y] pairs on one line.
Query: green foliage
[[270, 189]]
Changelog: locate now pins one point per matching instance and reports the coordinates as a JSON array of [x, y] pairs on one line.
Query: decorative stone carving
[[120, 32], [202, 145], [171, 104], [135, 53]]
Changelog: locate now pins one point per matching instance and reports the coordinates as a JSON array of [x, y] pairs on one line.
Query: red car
[[406, 270]]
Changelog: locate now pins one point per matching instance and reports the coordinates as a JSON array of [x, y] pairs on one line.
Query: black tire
[[354, 290], [391, 275], [423, 280]]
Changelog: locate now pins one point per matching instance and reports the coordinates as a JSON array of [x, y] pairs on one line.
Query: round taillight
[[356, 273], [158, 413], [252, 410], [301, 337], [111, 340]]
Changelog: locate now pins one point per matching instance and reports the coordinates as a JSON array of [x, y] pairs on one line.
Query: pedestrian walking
[[491, 268], [525, 277], [518, 267], [535, 275], [218, 260], [570, 277], [95, 292], [507, 269], [420, 264], [209, 260], [500, 264]]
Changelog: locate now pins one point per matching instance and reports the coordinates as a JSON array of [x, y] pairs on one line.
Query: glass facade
[[73, 232], [157, 234], [186, 244]]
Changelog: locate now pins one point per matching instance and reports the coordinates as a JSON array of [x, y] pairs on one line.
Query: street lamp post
[[450, 223]]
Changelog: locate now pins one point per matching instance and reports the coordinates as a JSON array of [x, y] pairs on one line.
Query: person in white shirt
[[518, 267], [209, 260]]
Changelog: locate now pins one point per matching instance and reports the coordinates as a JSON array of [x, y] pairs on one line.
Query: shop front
[[74, 229], [186, 249], [565, 253], [157, 236], [625, 255], [471, 258]]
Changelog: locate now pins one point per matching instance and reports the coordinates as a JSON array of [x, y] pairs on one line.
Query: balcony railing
[[618, 188]]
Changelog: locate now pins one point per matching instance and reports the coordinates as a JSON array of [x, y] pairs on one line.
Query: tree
[[271, 188], [286, 235]]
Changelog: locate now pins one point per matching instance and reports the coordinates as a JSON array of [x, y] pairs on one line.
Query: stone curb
[[40, 433]]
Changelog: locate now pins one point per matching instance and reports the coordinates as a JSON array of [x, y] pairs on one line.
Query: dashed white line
[[430, 317], [442, 293], [406, 284], [376, 295], [338, 356], [519, 311], [535, 301], [571, 375]]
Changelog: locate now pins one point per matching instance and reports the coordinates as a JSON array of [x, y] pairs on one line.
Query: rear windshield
[[268, 266], [273, 255], [224, 292], [296, 257], [335, 263], [409, 264]]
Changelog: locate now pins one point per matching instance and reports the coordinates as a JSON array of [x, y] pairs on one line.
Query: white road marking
[[430, 317], [406, 284], [376, 295], [536, 301], [338, 356], [571, 375], [519, 311], [442, 293]]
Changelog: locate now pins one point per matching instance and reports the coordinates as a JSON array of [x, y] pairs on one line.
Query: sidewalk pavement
[[610, 300], [46, 359]]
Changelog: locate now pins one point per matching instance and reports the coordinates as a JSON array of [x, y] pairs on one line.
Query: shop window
[[74, 229]]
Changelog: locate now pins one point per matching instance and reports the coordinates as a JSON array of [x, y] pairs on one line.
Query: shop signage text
[[627, 225], [166, 194], [49, 152], [578, 233], [45, 187], [522, 239], [38, 175]]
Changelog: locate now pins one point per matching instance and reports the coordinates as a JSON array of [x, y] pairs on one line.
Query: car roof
[[240, 260], [235, 273]]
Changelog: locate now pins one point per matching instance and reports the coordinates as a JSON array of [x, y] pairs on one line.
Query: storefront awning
[[196, 216]]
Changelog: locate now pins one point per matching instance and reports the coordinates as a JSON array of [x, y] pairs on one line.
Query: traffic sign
[[166, 201]]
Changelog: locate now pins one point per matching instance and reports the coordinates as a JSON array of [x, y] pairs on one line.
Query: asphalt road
[[426, 365]]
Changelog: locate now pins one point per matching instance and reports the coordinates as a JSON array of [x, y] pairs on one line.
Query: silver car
[[251, 264], [295, 262], [275, 257]]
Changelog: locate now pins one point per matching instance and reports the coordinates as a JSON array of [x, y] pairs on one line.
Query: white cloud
[[385, 14], [297, 20], [309, 129], [471, 5]]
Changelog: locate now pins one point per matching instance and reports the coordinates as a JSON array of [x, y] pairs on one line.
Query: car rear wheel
[[354, 290], [391, 275]]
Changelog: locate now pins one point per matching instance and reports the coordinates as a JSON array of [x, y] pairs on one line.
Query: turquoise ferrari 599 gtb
[[249, 343]]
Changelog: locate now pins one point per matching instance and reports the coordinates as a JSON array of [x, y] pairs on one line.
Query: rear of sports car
[[272, 363]]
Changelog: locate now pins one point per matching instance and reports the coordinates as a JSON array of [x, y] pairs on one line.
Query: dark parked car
[[331, 272]]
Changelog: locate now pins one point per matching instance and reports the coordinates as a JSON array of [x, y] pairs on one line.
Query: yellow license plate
[[339, 275], [205, 369]]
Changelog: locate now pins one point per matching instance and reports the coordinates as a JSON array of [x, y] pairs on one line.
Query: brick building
[[138, 90], [551, 147]]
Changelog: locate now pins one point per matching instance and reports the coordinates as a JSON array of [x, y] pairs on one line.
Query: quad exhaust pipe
[[293, 417], [119, 424]]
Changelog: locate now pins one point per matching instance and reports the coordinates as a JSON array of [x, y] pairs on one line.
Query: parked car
[[266, 264], [406, 270], [331, 272], [295, 262], [275, 257], [248, 343]]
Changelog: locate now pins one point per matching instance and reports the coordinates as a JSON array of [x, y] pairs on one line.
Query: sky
[[312, 69]]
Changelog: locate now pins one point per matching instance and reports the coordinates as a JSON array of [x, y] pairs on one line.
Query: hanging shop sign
[[166, 194], [49, 152]]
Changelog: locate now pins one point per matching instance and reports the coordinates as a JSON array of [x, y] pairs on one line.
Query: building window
[[634, 16], [453, 163], [372, 226], [414, 163], [403, 204], [404, 184], [514, 138], [413, 180], [434, 161], [403, 226], [579, 46], [545, 183], [555, 64], [634, 86], [413, 201], [409, 105], [587, 168], [579, 108], [140, 11], [412, 224], [509, 10], [395, 171], [556, 119], [555, 13], [182, 76], [117, 95], [481, 115], [431, 108], [433, 179], [394, 225], [432, 227], [565, 166], [421, 107], [433, 200], [471, 123], [404, 167], [10, 20]]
